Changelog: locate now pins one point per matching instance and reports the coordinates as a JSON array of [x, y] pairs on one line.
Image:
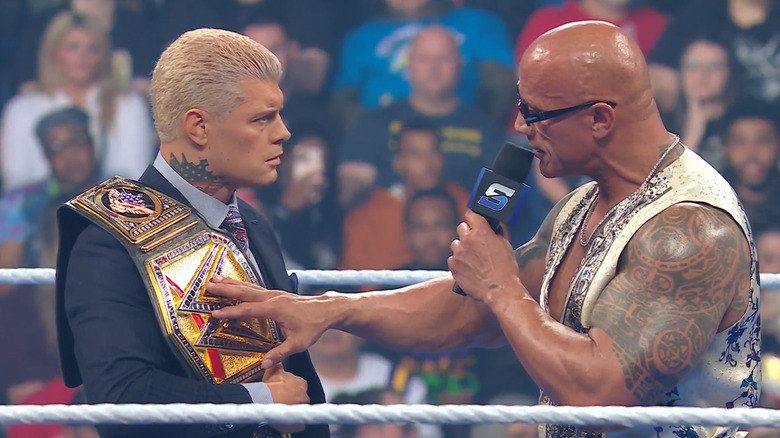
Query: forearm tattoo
[[197, 174], [676, 280]]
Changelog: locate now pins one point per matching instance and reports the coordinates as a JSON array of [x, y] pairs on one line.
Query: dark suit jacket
[[109, 338]]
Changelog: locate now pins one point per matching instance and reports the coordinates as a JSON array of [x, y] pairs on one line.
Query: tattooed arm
[[425, 316], [531, 257], [449, 319], [681, 280], [677, 284]]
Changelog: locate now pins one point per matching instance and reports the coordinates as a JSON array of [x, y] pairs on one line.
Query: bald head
[[435, 38], [597, 76], [434, 61], [588, 60]]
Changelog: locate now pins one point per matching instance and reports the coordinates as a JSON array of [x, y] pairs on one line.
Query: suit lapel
[[262, 241], [154, 179], [268, 254]]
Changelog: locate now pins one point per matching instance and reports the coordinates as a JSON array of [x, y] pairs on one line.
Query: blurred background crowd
[[394, 107]]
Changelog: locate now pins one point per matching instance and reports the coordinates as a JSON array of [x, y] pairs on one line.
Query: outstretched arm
[[418, 310], [425, 316], [677, 278]]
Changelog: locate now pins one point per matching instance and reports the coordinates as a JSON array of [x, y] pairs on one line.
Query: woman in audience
[[75, 69], [301, 202], [749, 29], [707, 88]]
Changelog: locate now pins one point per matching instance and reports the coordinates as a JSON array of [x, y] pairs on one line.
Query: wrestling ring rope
[[364, 414], [312, 277], [400, 414]]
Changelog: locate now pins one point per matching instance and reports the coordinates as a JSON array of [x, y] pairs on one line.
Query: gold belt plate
[[218, 349]]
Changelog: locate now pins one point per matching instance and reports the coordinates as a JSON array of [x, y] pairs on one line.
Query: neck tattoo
[[586, 241], [197, 174]]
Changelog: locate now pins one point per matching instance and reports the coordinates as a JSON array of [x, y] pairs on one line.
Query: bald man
[[640, 288], [469, 138]]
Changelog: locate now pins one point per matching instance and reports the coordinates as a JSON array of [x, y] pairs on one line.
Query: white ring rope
[[312, 277], [309, 277], [408, 414], [354, 414]]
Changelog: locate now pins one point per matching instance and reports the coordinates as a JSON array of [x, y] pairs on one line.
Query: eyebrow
[[525, 101], [259, 113], [520, 96]]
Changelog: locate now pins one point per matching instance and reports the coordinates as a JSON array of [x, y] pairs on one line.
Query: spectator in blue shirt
[[469, 138], [373, 67]]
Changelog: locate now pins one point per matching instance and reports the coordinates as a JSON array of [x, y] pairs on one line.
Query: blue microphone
[[499, 193]]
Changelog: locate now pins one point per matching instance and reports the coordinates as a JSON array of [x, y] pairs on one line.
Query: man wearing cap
[[64, 135]]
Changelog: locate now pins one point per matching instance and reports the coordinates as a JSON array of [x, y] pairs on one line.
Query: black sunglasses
[[530, 117]]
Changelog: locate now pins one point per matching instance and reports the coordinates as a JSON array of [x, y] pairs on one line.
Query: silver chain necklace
[[585, 242]]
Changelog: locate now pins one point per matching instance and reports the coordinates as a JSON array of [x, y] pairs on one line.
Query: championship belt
[[177, 254]]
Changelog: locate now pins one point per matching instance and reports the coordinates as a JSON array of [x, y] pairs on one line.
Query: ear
[[603, 120], [195, 121]]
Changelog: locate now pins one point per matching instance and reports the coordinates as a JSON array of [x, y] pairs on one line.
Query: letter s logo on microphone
[[496, 196]]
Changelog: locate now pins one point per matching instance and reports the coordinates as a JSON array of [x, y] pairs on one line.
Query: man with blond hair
[[134, 320]]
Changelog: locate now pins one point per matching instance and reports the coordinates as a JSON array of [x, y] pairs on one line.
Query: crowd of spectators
[[394, 107]]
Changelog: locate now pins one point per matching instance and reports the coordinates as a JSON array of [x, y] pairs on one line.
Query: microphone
[[499, 193]]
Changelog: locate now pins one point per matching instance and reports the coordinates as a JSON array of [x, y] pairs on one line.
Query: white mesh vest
[[729, 373]]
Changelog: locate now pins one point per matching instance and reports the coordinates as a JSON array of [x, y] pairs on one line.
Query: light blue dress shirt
[[213, 211]]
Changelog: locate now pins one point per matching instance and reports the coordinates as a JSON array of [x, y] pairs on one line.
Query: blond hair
[[49, 77], [203, 69]]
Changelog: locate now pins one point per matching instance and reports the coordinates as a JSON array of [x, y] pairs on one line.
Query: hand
[[308, 68], [29, 87], [482, 262], [301, 319], [356, 179], [288, 389], [703, 109], [464, 398], [19, 392], [699, 113], [306, 191]]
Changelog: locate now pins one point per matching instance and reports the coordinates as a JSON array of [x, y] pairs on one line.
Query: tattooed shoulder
[[676, 279]]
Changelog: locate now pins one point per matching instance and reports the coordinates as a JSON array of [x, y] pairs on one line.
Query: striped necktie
[[235, 226]]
